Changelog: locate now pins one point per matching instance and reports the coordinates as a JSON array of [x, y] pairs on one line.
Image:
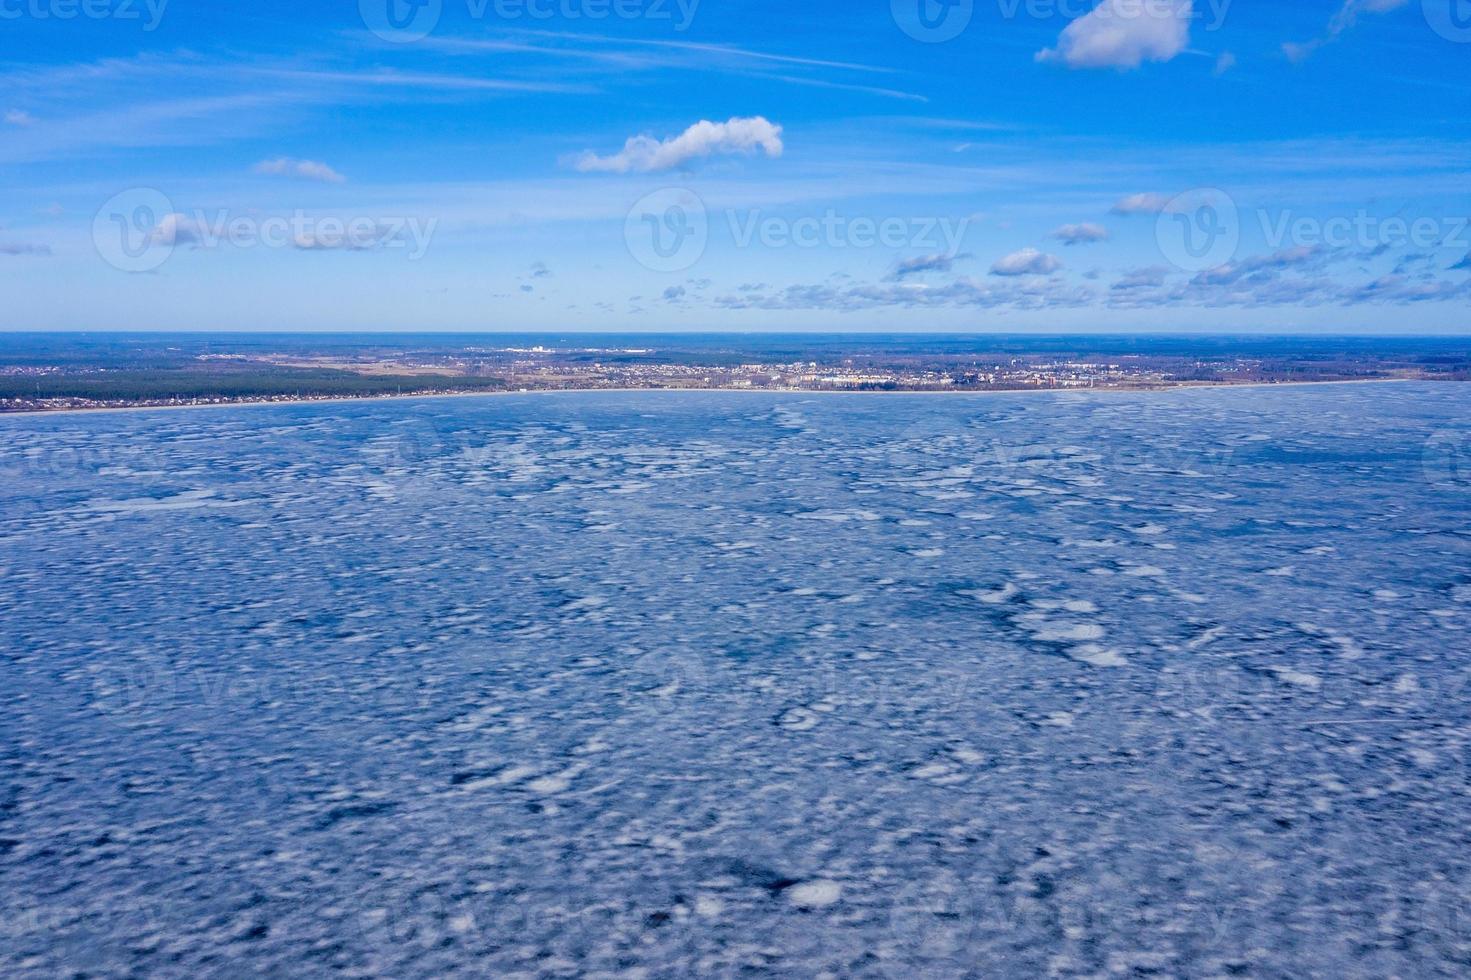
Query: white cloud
[[1286, 258], [1346, 17], [644, 154], [176, 229], [1124, 34], [1142, 204], [307, 169], [1027, 262], [1081, 234], [23, 248], [1400, 290], [330, 236], [922, 264], [1149, 277], [17, 117], [1225, 63], [1019, 294]]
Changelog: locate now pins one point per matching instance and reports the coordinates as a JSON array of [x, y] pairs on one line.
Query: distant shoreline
[[286, 402]]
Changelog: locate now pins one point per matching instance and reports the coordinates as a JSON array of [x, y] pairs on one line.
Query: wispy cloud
[[1346, 17], [124, 103], [162, 123], [307, 169], [645, 154], [647, 54], [1033, 294], [888, 93], [23, 248], [1149, 277], [392, 78], [1286, 258], [1289, 277], [922, 264], [717, 50]]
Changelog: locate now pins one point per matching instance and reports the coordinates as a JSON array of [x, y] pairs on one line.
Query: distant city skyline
[[1050, 166]]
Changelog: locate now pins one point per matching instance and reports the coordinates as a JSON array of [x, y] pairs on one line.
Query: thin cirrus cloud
[[1346, 17], [704, 50], [1141, 204], [19, 117], [645, 154], [1027, 262], [1123, 34], [305, 169], [1081, 234], [644, 54], [411, 80]]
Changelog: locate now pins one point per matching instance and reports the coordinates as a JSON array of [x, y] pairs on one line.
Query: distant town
[[97, 371]]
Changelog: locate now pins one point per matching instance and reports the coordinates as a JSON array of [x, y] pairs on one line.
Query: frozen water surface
[[666, 685]]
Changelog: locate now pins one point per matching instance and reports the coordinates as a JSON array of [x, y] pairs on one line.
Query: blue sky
[[1010, 165]]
